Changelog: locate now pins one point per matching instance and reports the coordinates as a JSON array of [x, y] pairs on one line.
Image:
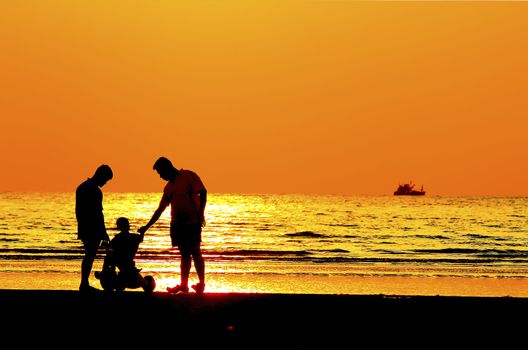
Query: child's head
[[122, 224]]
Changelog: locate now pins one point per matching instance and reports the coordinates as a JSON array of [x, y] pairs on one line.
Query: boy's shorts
[[129, 278]]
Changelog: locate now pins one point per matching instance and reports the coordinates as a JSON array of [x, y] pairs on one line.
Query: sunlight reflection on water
[[251, 237]]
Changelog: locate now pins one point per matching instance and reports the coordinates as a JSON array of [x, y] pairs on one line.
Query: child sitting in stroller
[[120, 253]]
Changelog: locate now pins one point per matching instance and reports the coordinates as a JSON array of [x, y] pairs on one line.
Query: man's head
[[102, 175], [123, 224], [165, 169]]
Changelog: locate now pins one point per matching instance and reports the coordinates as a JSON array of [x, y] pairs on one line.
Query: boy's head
[[123, 224]]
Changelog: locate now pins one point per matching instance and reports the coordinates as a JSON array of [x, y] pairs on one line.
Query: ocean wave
[[343, 225], [485, 253], [307, 234], [258, 253], [9, 240], [461, 256]]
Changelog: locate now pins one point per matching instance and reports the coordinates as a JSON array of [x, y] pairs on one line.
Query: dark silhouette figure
[[120, 254], [91, 229], [187, 196]]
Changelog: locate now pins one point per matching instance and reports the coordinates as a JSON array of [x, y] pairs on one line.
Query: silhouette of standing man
[[187, 196], [91, 229]]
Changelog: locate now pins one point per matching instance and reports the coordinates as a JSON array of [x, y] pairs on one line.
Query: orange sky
[[277, 97]]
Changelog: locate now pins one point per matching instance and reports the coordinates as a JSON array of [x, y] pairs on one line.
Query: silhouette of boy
[[122, 251]]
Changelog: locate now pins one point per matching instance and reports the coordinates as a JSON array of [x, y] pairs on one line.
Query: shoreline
[[297, 284], [239, 318]]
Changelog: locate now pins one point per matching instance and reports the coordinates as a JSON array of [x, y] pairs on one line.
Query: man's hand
[[143, 229]]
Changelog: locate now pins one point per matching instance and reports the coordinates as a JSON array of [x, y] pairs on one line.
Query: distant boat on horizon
[[408, 190]]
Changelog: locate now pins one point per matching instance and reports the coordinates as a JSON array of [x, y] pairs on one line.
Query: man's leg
[[185, 260], [90, 251], [185, 268], [199, 264]]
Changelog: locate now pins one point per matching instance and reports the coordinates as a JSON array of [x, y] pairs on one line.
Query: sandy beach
[[61, 275], [256, 319]]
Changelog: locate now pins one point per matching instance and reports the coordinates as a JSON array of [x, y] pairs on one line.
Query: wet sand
[[67, 278], [256, 320]]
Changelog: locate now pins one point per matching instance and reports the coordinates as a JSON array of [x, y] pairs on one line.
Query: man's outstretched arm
[[161, 208]]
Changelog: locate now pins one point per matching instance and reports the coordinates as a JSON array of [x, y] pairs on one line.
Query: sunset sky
[[329, 97]]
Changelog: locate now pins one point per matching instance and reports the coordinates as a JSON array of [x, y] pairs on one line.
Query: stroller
[[118, 277]]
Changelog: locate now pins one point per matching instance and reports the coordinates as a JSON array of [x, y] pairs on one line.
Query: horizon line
[[285, 194]]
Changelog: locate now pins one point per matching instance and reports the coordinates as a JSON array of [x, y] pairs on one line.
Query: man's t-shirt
[[89, 211], [183, 197]]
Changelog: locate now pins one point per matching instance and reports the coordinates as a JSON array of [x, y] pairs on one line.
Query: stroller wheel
[[150, 284]]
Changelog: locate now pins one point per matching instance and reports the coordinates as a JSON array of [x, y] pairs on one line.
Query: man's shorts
[[91, 245], [186, 236]]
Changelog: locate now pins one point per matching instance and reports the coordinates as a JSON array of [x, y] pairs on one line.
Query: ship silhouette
[[408, 190]]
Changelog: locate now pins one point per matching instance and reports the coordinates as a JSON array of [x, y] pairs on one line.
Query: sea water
[[285, 238]]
